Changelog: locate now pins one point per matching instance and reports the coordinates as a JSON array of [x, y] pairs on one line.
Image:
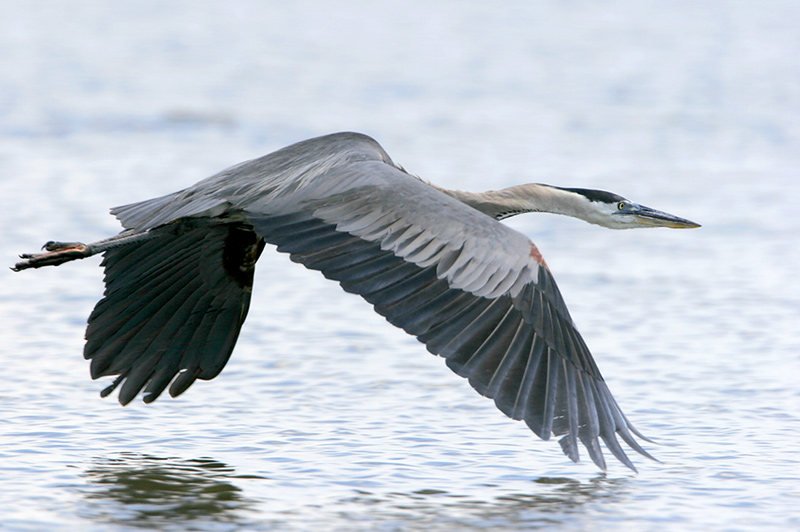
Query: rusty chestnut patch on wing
[[537, 256]]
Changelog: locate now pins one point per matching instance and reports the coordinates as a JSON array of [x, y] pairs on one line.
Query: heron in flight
[[437, 263]]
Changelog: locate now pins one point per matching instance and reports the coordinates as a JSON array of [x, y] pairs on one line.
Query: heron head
[[615, 212]]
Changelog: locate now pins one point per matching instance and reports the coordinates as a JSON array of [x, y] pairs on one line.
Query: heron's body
[[434, 262]]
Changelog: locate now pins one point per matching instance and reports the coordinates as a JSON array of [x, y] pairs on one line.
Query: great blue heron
[[436, 263]]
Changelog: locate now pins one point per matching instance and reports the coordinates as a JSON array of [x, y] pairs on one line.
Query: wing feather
[[173, 306], [528, 371], [472, 336], [499, 364], [523, 351], [430, 313], [496, 342]]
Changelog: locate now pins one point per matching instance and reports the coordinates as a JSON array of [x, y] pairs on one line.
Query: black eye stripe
[[596, 195]]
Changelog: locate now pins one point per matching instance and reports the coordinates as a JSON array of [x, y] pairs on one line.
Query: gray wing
[[471, 289]]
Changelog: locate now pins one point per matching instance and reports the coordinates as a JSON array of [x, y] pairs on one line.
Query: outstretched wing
[[471, 289], [173, 305]]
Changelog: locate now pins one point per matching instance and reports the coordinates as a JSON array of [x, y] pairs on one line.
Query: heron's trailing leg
[[60, 252]]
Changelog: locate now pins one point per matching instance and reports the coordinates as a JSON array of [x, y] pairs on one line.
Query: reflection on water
[[149, 492], [551, 501], [153, 493]]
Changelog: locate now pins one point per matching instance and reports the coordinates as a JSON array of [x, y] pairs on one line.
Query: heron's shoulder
[[333, 149]]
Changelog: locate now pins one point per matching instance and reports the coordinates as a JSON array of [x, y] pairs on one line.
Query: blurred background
[[327, 417]]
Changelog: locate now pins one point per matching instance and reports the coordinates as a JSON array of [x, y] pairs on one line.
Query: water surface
[[327, 418]]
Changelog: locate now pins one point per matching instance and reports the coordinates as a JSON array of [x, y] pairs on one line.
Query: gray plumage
[[434, 262]]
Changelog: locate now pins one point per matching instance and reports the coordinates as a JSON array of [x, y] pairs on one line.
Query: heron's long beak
[[648, 216]]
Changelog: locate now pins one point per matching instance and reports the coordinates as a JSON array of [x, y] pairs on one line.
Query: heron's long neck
[[507, 202]]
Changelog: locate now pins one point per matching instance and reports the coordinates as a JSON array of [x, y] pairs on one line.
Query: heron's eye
[[621, 205]]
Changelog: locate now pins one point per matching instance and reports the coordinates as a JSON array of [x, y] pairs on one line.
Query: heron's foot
[[55, 253]]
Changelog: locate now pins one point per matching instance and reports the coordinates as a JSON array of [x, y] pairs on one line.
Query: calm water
[[327, 418]]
